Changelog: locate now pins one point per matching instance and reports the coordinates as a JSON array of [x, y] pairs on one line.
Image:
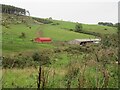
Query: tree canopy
[[13, 10]]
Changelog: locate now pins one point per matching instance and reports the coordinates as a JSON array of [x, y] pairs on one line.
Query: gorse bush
[[110, 40], [21, 61], [57, 50], [41, 57], [78, 49], [36, 56], [25, 61], [17, 62]]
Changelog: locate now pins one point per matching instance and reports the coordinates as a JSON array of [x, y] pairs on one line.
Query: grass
[[57, 71], [59, 34], [87, 27], [12, 42], [15, 78], [100, 29]]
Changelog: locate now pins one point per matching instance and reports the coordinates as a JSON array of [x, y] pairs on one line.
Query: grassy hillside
[[87, 27], [66, 66], [11, 34], [61, 32]]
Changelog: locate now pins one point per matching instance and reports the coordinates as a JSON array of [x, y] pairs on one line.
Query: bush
[[36, 56], [20, 61], [78, 27], [105, 29], [110, 40], [42, 58], [55, 24], [77, 49], [17, 62], [71, 29], [57, 50], [23, 35]]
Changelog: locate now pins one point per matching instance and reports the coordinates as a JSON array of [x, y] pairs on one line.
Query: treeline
[[13, 10], [108, 24], [105, 23], [44, 21]]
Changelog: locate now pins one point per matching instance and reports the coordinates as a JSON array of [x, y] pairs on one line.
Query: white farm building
[[84, 41]]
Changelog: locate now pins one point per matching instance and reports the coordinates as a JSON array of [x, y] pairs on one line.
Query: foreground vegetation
[[72, 67], [67, 66]]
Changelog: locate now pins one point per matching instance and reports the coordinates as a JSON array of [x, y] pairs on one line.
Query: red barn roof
[[43, 39]]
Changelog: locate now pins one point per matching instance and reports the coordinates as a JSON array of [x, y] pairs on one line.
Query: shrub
[[75, 49], [78, 27], [57, 50], [36, 56], [71, 29], [17, 62], [55, 24], [105, 29], [42, 58], [23, 35], [110, 40]]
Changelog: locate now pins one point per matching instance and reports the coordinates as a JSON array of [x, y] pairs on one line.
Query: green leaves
[[78, 27]]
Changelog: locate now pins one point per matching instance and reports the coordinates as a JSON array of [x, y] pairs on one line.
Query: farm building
[[84, 41], [42, 39]]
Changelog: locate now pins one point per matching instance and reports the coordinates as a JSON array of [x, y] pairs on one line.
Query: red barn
[[42, 39]]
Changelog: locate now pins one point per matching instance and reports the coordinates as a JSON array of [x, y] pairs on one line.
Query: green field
[[88, 27], [61, 32], [12, 42]]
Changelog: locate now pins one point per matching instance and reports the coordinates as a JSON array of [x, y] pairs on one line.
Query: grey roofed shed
[[79, 41]]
